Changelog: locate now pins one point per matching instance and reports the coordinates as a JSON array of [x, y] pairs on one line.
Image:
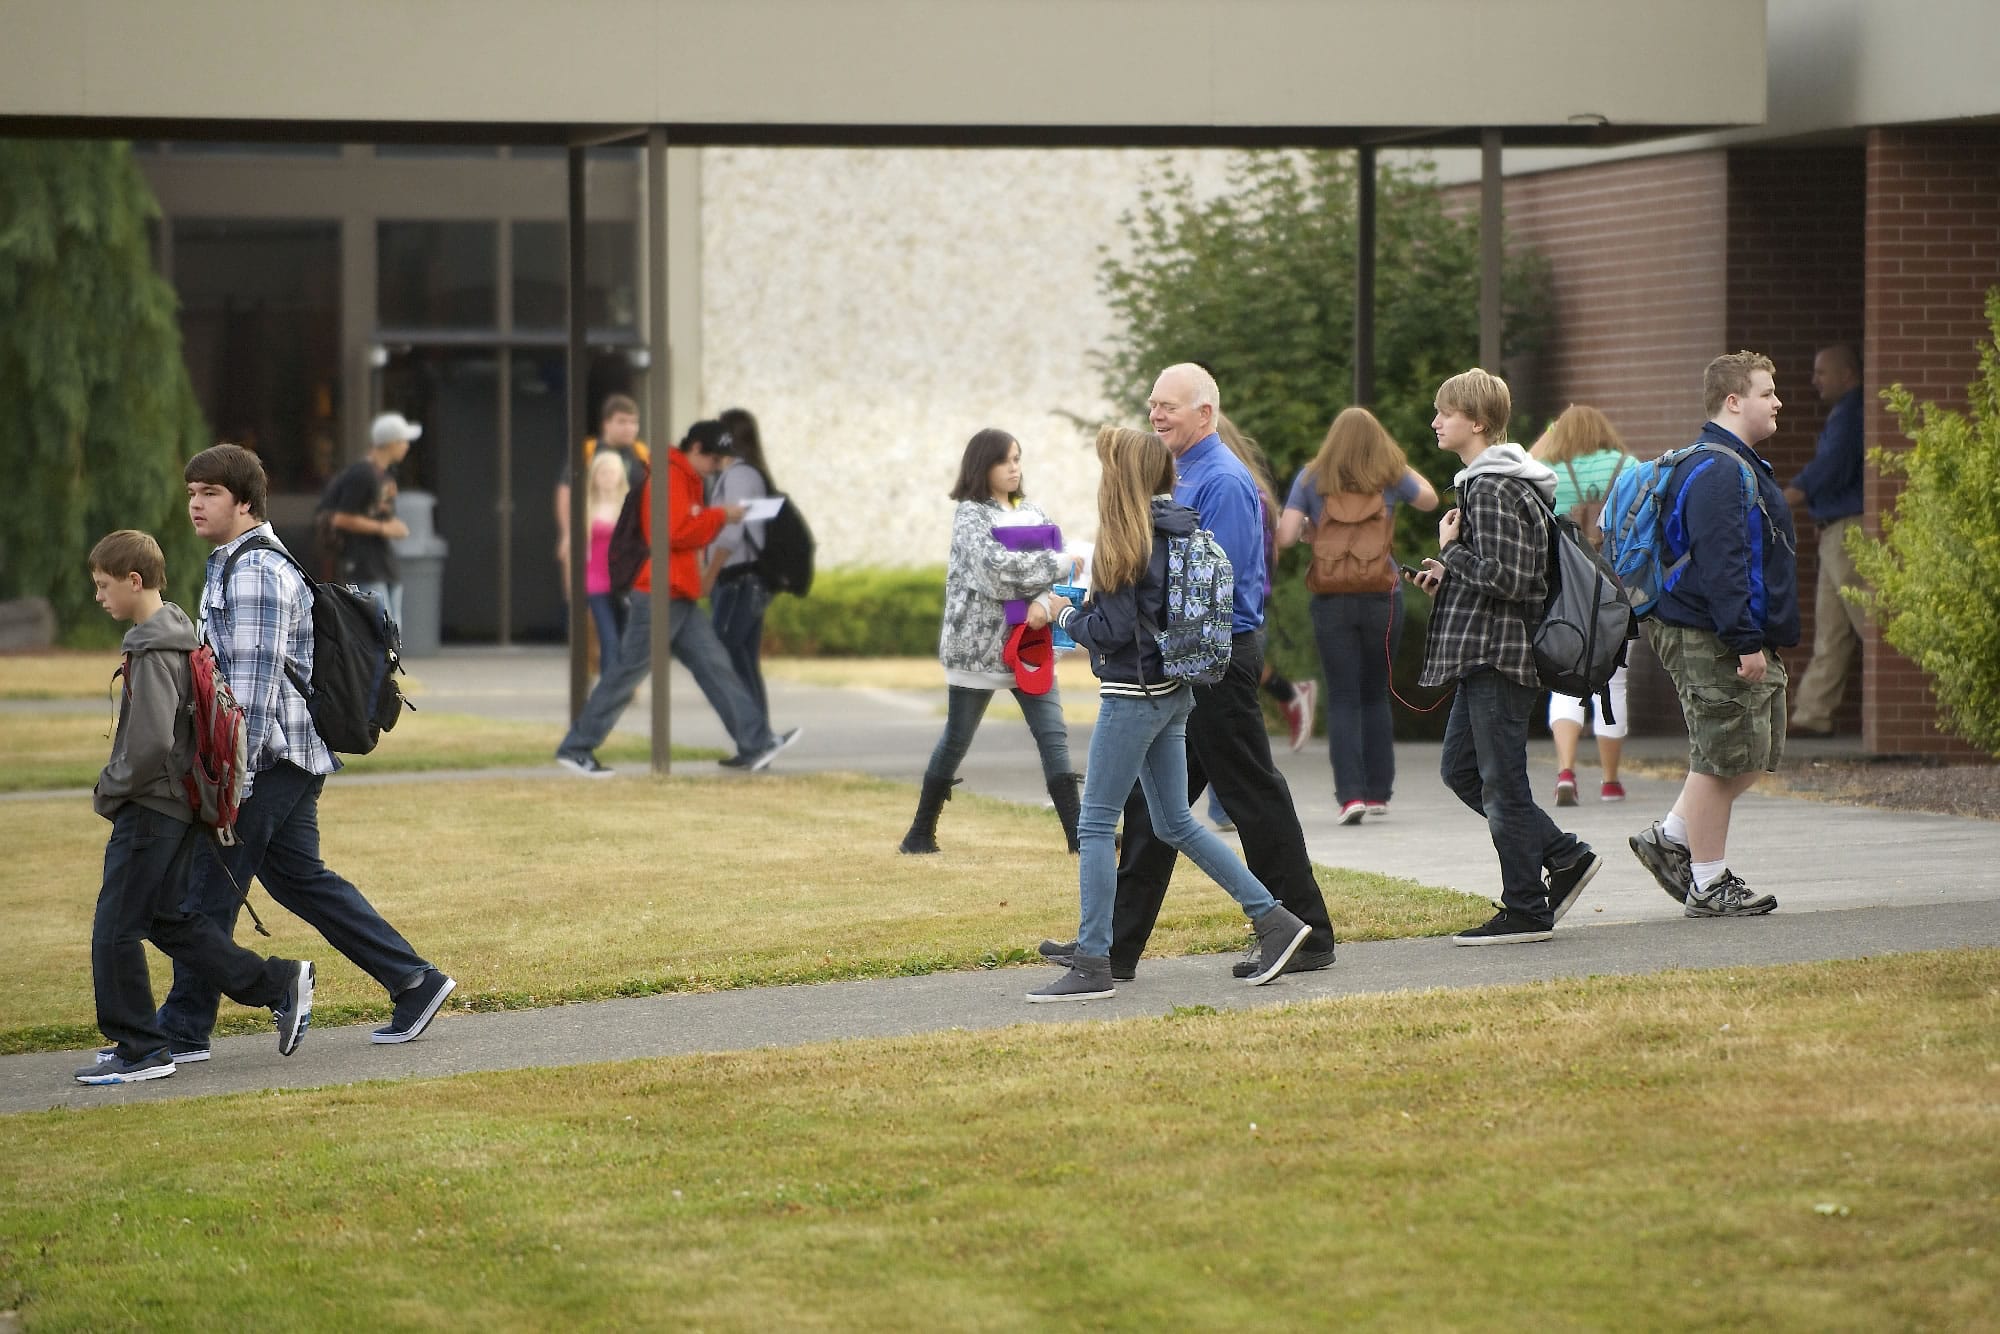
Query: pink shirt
[[597, 574]]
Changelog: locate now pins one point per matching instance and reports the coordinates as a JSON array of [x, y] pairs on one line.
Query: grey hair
[[1204, 390]]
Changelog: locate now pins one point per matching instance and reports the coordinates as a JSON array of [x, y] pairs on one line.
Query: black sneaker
[[1728, 896], [1505, 928], [763, 758], [294, 1017], [1305, 961], [736, 762], [1124, 972], [415, 1009], [586, 765], [115, 1069], [189, 1057], [1565, 883], [1669, 862]]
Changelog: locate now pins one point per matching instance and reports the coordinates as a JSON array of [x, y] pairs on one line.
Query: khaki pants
[[1836, 632]]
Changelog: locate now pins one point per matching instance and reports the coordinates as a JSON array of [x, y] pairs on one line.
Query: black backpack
[[357, 651], [630, 550], [1586, 618], [785, 561]]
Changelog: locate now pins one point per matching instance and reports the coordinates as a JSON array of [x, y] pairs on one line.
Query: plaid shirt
[[1496, 576], [263, 621]]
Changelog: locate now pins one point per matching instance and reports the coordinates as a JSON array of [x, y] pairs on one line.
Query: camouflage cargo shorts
[[1734, 726]]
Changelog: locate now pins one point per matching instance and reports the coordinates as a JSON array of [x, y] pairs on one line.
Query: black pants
[[1227, 746], [145, 880]]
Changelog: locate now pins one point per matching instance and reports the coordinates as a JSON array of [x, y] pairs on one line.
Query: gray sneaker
[[1670, 863], [1279, 935], [1085, 979], [1057, 951], [1728, 896]]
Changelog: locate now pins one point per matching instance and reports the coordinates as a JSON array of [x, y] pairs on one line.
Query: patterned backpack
[[1195, 642]]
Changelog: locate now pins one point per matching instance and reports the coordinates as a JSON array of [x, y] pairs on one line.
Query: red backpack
[[213, 784]]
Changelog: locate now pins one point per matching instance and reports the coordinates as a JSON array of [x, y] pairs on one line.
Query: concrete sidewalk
[[1851, 882]]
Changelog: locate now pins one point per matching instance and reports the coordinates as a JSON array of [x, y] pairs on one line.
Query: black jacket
[[1123, 651]]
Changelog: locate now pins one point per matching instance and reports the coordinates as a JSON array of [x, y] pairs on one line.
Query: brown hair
[[1137, 465], [983, 453], [747, 441], [1246, 448], [236, 470], [1730, 374], [1482, 396], [1580, 430], [129, 551], [1358, 455], [616, 404]]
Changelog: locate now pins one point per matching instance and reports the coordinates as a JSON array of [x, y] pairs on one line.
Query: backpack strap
[[259, 542]]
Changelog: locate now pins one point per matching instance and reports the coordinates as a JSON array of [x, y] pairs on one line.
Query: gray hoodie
[[1512, 461], [154, 744]]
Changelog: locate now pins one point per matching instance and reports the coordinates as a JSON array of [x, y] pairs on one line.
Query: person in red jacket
[[692, 526]]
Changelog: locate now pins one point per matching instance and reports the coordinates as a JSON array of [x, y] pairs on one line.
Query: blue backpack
[[1635, 522], [1196, 641]]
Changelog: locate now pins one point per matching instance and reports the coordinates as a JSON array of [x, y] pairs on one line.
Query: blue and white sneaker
[[415, 1009], [295, 1016], [114, 1069]]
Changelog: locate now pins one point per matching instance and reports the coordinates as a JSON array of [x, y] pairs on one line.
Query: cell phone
[[1409, 571]]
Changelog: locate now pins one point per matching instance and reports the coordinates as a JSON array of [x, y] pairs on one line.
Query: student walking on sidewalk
[[1141, 732]]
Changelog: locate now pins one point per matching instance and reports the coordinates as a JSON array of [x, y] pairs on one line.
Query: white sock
[[1675, 828], [1707, 873]]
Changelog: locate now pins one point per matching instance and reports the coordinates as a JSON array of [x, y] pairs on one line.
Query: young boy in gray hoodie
[[153, 836], [1489, 578]]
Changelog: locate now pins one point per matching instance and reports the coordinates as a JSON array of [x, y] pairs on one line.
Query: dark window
[[436, 275], [206, 148], [436, 150], [260, 325], [541, 267]]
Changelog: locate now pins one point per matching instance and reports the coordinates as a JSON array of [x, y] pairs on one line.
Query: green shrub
[[860, 612], [1936, 570]]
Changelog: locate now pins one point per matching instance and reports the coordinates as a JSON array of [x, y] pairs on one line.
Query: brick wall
[[1933, 249], [1796, 283]]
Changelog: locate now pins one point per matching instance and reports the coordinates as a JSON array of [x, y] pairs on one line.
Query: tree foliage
[[97, 415], [1935, 572]]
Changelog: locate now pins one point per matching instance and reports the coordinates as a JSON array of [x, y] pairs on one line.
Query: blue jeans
[[693, 642], [1146, 739], [1485, 762], [390, 596], [277, 841], [607, 613], [1358, 634], [739, 604], [964, 708]]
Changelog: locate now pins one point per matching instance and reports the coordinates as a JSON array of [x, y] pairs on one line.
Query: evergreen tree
[[97, 416]]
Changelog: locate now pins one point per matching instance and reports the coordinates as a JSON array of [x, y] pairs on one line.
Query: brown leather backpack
[[1351, 545]]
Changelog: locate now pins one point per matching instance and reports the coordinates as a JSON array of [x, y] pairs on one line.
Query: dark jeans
[[964, 708], [1485, 762], [1358, 634], [739, 605], [277, 841], [692, 640], [607, 612], [1227, 746], [146, 867]]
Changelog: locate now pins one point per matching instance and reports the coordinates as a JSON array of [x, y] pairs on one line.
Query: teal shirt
[[1593, 477]]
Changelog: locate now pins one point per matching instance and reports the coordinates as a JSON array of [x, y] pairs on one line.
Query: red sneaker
[[1352, 812], [1566, 788], [1611, 791], [1299, 713]]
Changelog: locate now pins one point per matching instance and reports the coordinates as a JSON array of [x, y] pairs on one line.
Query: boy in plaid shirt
[[1489, 578]]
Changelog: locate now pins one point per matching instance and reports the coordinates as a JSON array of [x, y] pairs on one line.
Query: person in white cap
[[359, 507]]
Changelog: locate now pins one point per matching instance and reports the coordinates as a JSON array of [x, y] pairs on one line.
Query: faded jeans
[[964, 708]]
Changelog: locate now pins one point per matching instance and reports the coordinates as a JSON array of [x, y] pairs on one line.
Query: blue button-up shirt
[[1832, 481], [259, 623], [1213, 483]]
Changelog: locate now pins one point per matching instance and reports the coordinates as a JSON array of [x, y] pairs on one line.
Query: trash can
[[421, 558]]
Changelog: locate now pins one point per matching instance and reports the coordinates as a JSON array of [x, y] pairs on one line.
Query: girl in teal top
[[1586, 453]]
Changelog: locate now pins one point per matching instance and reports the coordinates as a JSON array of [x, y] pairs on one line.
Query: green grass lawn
[[1799, 1148], [533, 892], [43, 751]]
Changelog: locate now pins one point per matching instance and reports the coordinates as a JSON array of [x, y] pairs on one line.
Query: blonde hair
[[1358, 456], [615, 499], [1730, 374], [1482, 396], [1136, 467], [1246, 448], [127, 552], [1580, 430]]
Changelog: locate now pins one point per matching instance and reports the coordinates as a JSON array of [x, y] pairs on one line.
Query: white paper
[[762, 508]]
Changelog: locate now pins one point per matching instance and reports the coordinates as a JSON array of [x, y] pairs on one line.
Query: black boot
[[1066, 792], [923, 830]]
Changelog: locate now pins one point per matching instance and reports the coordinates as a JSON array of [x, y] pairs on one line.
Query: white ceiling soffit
[[1219, 65]]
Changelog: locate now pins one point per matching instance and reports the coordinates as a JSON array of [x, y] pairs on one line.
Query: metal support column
[[1364, 276], [659, 417], [1489, 250], [579, 425]]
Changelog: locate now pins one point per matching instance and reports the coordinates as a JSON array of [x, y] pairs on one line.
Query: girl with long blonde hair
[[1587, 454], [1141, 732], [1344, 503]]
